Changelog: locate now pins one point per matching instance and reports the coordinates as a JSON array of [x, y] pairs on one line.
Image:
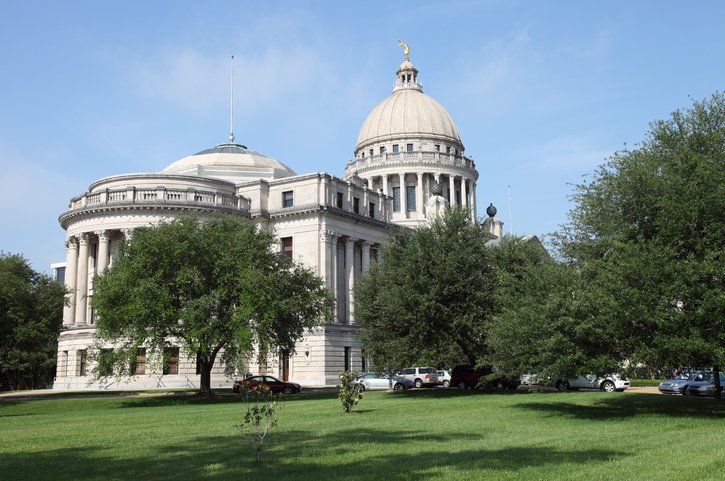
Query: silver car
[[705, 387], [679, 385], [380, 381], [609, 383]]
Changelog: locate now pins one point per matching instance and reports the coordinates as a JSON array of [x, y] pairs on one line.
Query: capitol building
[[409, 164]]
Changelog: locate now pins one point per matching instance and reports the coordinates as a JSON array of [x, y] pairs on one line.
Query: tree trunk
[[718, 387], [205, 383]]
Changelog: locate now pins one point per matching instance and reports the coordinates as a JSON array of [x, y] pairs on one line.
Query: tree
[[429, 298], [217, 286], [31, 317], [647, 246]]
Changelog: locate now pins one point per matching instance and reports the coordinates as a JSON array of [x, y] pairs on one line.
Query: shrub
[[261, 416], [349, 390]]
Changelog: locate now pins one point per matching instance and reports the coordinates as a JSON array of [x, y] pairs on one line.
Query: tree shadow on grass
[[296, 455], [608, 407]]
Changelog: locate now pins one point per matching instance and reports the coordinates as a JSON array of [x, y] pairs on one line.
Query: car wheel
[[462, 384], [499, 385], [446, 383], [287, 390], [418, 383], [398, 386], [608, 386], [686, 391], [563, 386]]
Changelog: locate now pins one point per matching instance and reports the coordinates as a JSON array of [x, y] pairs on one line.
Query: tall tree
[[646, 236], [429, 298], [214, 286], [31, 317]]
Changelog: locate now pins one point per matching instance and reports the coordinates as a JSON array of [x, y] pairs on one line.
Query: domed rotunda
[[409, 140]]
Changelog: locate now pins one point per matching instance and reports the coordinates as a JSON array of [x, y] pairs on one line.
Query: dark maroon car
[[464, 376], [266, 380]]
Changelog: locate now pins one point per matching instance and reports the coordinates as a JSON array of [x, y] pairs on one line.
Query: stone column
[[365, 255], [473, 201], [419, 195], [71, 276], [325, 254], [350, 273], [452, 190], [464, 194], [333, 274], [82, 282], [385, 184], [103, 241], [403, 196]]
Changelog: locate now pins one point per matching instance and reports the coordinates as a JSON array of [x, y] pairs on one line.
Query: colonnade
[[82, 262], [342, 280], [424, 179]]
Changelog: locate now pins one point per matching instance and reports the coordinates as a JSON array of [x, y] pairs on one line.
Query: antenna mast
[[231, 127], [511, 222]]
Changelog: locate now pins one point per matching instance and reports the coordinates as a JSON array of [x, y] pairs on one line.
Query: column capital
[[366, 245], [103, 235], [71, 243], [350, 241], [127, 232], [84, 238]]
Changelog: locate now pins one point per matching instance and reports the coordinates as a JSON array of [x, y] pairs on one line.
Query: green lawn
[[426, 434]]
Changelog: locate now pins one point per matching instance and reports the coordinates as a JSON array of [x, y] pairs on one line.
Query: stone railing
[[418, 156], [160, 195]]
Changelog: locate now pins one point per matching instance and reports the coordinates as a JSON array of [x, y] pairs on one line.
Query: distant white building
[[409, 163]]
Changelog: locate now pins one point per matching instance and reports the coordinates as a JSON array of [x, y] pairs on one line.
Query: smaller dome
[[232, 162]]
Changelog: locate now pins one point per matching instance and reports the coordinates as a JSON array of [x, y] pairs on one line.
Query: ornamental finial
[[405, 49]]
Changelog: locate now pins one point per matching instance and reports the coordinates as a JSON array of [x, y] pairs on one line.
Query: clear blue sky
[[542, 92]]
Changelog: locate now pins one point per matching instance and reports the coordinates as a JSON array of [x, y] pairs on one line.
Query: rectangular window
[[382, 150], [409, 147], [395, 148], [347, 358], [396, 199], [339, 200], [438, 148], [171, 360], [287, 199], [448, 150], [372, 210], [60, 274], [287, 247], [139, 365], [371, 152], [82, 363], [411, 197], [356, 205], [105, 362]]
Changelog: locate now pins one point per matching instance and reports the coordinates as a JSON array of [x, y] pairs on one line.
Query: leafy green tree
[[646, 247], [430, 296], [31, 317], [214, 286]]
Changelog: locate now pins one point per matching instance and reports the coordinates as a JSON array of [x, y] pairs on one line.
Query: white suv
[[421, 376]]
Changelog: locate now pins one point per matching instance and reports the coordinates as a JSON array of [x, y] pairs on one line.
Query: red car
[[266, 380]]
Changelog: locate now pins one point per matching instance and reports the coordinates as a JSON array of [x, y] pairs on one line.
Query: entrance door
[[286, 368]]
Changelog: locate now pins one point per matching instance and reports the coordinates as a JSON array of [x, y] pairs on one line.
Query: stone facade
[[334, 225]]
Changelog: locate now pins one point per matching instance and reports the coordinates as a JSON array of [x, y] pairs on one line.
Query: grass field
[[420, 434]]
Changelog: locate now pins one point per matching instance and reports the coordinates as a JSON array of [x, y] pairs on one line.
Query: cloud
[[572, 153]]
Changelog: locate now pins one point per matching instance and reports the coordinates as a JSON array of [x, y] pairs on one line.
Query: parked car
[[505, 382], [609, 383], [464, 376], [444, 377], [680, 383], [705, 387], [274, 384], [421, 376], [377, 380]]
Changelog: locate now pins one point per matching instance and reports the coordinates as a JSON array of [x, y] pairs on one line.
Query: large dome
[[232, 162], [408, 113]]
